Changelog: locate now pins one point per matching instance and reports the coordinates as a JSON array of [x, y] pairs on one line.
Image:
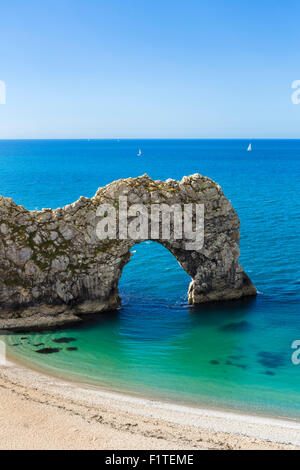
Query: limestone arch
[[54, 268]]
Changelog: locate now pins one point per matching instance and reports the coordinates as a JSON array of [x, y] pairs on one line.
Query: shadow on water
[[223, 314], [145, 321]]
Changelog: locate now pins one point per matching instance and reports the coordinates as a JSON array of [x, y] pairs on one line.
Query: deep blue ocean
[[234, 355]]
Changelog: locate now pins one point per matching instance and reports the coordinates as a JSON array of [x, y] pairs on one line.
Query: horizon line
[[146, 138]]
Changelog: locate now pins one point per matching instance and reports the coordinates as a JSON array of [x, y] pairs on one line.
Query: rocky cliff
[[54, 268]]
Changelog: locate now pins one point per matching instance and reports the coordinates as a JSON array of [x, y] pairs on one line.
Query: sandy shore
[[41, 412]]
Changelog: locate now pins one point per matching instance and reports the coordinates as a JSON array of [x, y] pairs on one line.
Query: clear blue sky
[[149, 68]]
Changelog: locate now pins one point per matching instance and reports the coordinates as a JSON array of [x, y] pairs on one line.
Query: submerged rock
[[236, 357], [48, 350], [237, 326], [269, 372], [64, 340], [54, 268], [271, 360], [234, 364]]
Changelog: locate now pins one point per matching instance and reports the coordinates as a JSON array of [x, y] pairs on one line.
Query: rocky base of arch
[[45, 316], [243, 287]]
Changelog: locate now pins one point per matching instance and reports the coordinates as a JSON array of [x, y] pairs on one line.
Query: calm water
[[235, 355]]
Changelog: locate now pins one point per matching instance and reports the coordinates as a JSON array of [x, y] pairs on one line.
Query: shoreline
[[146, 397], [113, 420]]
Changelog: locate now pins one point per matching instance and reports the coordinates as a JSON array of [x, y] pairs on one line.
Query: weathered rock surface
[[54, 268]]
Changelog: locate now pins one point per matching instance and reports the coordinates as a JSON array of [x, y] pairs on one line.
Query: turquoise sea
[[235, 355]]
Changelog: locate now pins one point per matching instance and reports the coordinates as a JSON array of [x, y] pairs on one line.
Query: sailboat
[[139, 154], [249, 148]]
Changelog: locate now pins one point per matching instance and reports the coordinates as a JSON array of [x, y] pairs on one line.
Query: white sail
[[249, 148], [139, 153]]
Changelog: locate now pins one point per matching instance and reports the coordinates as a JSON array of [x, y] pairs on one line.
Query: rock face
[[54, 268]]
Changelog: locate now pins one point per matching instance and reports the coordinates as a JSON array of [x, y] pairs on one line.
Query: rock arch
[[54, 269]]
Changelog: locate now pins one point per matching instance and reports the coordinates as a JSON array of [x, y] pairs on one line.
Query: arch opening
[[154, 274]]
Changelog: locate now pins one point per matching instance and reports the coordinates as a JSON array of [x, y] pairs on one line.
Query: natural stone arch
[[54, 269]]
